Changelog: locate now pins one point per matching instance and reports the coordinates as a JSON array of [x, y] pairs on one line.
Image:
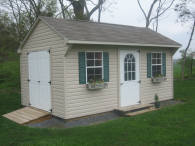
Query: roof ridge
[[86, 21]]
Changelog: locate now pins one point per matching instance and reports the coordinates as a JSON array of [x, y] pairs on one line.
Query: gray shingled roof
[[84, 31]]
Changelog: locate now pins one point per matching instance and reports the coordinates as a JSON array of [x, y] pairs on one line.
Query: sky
[[127, 12]]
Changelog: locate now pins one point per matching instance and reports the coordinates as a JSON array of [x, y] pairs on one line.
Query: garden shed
[[78, 68]]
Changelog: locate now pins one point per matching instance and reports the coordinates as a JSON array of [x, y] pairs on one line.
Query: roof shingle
[[104, 32]]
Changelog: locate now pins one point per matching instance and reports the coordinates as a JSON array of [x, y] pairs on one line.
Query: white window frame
[[86, 67], [156, 64]]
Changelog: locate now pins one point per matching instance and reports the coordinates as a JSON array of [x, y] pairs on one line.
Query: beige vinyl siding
[[149, 89], [43, 38], [80, 101]]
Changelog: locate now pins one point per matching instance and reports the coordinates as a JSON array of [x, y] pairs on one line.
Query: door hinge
[[28, 80], [50, 110], [49, 51], [49, 82], [139, 81]]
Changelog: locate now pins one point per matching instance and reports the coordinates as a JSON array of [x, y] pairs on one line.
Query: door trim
[[119, 74]]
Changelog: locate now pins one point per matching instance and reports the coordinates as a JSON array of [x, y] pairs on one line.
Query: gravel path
[[89, 120], [85, 121]]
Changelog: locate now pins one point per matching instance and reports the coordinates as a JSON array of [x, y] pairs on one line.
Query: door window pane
[[129, 67], [133, 75]]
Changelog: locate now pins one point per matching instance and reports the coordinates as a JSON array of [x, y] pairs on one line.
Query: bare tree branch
[[144, 13], [159, 11]]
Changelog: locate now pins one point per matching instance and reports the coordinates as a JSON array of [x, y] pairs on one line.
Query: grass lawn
[[177, 71], [169, 126]]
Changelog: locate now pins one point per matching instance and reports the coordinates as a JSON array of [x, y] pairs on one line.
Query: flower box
[[158, 79], [96, 86]]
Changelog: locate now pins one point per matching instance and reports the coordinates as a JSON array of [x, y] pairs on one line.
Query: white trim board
[[120, 44]]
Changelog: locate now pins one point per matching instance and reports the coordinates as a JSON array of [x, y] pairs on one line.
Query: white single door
[[39, 80], [129, 78]]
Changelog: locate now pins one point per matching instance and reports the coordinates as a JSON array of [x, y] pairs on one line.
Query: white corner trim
[[120, 44]]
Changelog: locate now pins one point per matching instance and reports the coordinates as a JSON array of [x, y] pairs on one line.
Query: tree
[[25, 12], [157, 9], [9, 40], [81, 8], [186, 14], [66, 13], [188, 63]]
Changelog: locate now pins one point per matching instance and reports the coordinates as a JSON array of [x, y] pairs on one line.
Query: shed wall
[[81, 102], [149, 89], [43, 38]]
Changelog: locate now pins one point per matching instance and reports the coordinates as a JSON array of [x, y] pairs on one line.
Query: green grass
[[177, 71], [173, 125]]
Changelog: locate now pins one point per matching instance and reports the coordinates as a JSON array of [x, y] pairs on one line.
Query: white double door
[[39, 80], [129, 78]]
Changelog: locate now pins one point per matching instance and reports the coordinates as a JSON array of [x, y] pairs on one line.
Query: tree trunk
[[191, 67], [99, 13], [62, 8], [185, 52]]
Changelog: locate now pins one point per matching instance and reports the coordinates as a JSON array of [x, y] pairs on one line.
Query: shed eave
[[120, 44]]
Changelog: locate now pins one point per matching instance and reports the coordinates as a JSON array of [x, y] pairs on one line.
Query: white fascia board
[[120, 44], [31, 30], [28, 35]]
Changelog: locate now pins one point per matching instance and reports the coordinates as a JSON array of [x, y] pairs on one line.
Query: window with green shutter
[[156, 64], [93, 66]]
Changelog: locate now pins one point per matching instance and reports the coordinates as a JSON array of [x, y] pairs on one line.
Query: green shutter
[[106, 66], [164, 64], [149, 65], [82, 69]]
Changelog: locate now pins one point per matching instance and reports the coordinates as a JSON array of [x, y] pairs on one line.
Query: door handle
[[139, 81], [38, 81]]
